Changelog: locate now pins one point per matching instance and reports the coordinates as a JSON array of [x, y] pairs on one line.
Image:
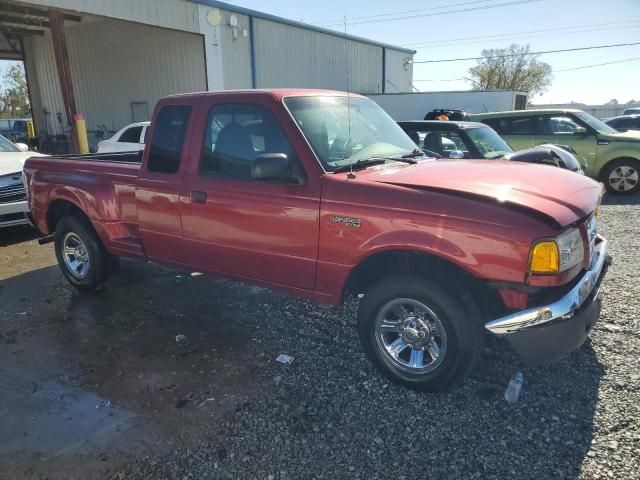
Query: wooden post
[[64, 72]]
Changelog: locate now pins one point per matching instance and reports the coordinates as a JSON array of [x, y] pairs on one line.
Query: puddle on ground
[[60, 420]]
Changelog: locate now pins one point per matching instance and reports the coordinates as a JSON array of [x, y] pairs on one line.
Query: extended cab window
[[131, 135], [236, 135], [168, 138]]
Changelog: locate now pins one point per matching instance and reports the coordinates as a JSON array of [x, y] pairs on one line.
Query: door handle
[[198, 197]]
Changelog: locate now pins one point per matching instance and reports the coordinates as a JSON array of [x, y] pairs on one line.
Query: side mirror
[[23, 147], [580, 131], [457, 154], [271, 166]]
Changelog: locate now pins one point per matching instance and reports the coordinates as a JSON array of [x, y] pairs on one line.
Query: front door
[[560, 129], [233, 224]]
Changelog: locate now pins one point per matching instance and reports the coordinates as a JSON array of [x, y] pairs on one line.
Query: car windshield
[[7, 146], [488, 142], [344, 130], [594, 123]]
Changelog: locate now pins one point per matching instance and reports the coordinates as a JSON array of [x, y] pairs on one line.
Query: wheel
[[622, 176], [81, 256], [418, 334]]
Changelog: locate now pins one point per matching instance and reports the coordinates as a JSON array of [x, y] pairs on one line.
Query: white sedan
[[128, 139], [13, 198]]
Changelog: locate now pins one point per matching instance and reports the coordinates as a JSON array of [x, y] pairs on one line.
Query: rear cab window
[[168, 138]]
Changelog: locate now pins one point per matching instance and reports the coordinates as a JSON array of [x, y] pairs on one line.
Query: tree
[[613, 101], [512, 68], [14, 96]]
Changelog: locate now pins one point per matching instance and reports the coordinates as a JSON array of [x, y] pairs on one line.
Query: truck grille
[[12, 193]]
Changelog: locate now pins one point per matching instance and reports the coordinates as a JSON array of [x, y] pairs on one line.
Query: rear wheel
[[418, 334], [622, 176], [81, 256]]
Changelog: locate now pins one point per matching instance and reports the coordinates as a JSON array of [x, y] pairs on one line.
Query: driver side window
[[236, 134]]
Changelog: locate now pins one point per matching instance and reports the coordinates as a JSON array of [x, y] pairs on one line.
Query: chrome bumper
[[12, 208], [560, 310]]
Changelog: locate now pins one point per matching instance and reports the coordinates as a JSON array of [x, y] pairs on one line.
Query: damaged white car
[[13, 198]]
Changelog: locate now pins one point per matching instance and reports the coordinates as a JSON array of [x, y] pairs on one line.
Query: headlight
[[558, 255]]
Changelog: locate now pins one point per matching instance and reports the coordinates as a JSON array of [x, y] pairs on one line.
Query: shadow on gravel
[[610, 199], [13, 235], [214, 404]]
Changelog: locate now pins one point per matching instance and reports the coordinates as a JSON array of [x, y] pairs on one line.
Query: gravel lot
[[98, 387]]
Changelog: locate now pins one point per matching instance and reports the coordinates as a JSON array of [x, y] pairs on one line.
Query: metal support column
[[64, 71]]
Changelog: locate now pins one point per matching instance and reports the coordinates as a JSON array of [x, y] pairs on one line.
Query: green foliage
[[512, 68], [14, 96]]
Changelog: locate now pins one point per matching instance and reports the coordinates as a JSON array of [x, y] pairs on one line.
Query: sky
[[575, 23], [566, 24]]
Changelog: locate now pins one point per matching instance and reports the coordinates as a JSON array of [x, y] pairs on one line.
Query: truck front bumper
[[14, 213], [545, 333]]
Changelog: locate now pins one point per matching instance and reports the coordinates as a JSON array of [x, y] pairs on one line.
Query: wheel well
[[450, 276], [59, 209]]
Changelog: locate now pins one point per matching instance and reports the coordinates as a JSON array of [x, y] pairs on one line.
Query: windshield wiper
[[415, 153], [362, 163]]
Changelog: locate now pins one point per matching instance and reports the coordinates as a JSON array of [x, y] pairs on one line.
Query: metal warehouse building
[[112, 60]]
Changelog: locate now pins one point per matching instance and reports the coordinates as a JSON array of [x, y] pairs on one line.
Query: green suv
[[612, 157]]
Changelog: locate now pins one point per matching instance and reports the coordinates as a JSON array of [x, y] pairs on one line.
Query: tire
[[93, 265], [621, 176], [459, 348]]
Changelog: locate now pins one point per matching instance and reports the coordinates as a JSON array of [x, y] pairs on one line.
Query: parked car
[[128, 139], [13, 199], [323, 195], [631, 111], [477, 140], [15, 130], [625, 123], [612, 157], [450, 113]]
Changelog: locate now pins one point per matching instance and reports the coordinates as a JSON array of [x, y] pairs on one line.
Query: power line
[[554, 71], [597, 65], [392, 18], [334, 22], [530, 53], [516, 35]]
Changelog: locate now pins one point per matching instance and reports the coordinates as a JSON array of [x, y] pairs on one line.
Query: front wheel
[[81, 256], [622, 176], [418, 334]]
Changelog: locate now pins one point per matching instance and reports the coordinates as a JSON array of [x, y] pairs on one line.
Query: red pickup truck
[[321, 194]]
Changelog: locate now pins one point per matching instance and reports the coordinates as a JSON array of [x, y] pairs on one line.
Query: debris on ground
[[286, 359]]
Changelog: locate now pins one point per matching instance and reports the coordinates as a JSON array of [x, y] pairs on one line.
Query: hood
[[557, 194], [629, 135], [13, 162]]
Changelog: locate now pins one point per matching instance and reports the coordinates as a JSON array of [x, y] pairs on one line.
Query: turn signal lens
[[545, 258]]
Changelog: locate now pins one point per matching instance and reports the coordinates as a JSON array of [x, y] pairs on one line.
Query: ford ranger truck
[[321, 194]]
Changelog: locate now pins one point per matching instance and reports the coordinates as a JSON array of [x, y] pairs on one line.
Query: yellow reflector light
[[598, 211], [545, 258]]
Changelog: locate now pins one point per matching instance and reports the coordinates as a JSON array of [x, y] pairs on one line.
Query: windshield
[[342, 134], [488, 142], [7, 146], [594, 123]]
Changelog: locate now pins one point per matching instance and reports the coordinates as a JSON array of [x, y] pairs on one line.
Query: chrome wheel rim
[[410, 336], [623, 178], [75, 256]]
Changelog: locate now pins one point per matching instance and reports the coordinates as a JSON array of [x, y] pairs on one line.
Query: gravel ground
[[217, 406]]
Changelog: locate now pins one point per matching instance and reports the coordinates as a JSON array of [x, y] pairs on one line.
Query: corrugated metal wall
[[287, 56], [115, 63], [236, 51]]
